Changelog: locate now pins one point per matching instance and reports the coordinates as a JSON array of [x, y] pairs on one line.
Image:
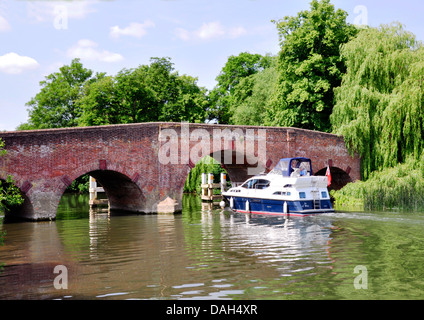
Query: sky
[[38, 37]]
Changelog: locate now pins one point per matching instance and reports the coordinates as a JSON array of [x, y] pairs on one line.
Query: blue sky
[[38, 37]]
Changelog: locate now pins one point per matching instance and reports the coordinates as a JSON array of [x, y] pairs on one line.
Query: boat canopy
[[293, 166]]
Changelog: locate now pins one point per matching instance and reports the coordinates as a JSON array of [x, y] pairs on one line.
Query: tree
[[379, 107], [236, 68], [207, 164], [252, 98], [55, 105], [152, 92], [310, 66], [10, 195], [190, 103]]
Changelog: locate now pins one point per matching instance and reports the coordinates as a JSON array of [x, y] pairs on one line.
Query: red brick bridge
[[141, 165]]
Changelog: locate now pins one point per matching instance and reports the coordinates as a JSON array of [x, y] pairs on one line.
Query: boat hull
[[278, 207]]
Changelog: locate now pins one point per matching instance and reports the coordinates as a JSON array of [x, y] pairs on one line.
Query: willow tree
[[379, 106]]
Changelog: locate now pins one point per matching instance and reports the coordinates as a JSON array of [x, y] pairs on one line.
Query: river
[[206, 253]]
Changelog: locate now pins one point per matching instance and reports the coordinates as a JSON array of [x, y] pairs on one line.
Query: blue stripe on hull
[[277, 206]]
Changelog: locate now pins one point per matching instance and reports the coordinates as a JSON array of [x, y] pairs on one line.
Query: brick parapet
[[44, 162]]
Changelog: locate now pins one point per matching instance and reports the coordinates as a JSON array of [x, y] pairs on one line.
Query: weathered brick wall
[[126, 160]]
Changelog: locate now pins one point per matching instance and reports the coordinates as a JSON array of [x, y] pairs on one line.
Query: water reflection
[[207, 253]]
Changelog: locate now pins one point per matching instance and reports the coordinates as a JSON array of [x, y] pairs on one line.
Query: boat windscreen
[[285, 167], [281, 167]]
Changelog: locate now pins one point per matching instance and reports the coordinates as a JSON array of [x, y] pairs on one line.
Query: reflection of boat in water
[[290, 188], [289, 244]]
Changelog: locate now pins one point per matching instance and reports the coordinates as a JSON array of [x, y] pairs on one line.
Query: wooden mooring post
[[94, 190], [208, 187]]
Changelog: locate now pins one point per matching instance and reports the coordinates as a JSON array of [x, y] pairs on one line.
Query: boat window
[[286, 166], [323, 194], [250, 184], [302, 195], [246, 184], [282, 166], [262, 184], [281, 193]]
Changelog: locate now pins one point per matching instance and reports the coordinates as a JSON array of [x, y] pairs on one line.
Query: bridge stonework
[[140, 165]]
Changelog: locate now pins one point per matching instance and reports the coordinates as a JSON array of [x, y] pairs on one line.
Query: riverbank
[[400, 187]]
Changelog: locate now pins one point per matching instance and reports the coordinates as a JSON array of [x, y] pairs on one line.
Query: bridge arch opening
[[123, 194], [235, 164], [17, 213], [205, 165], [339, 177]]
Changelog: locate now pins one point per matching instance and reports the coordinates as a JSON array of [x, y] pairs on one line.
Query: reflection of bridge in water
[[142, 165], [210, 255]]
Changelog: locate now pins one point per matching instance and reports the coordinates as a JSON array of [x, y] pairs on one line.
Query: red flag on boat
[[328, 174]]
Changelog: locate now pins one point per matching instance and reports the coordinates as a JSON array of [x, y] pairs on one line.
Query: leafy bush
[[400, 187]]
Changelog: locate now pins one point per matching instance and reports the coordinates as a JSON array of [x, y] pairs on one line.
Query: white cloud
[[4, 25], [88, 50], [13, 63], [135, 29], [210, 30]]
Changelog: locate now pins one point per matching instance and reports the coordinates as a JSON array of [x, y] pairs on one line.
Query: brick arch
[[121, 184]]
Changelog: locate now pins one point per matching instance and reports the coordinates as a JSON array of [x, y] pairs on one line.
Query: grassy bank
[[400, 187]]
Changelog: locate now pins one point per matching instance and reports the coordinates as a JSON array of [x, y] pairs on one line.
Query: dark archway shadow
[[20, 213], [123, 195], [339, 177], [237, 165]]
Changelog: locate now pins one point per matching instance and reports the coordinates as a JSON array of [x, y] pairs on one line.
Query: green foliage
[[400, 187], [235, 70], [309, 66], [194, 178], [2, 151], [2, 235], [379, 106], [55, 105], [80, 185], [148, 93], [10, 195], [99, 103], [252, 97], [155, 92]]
